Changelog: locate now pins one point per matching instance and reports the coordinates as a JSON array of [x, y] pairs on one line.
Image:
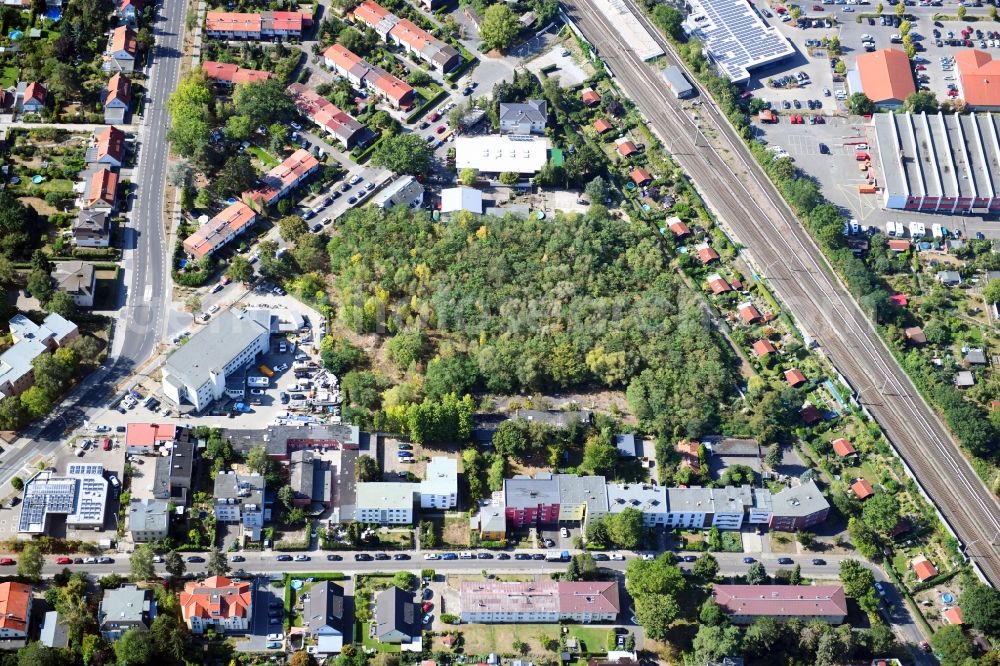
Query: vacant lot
[[485, 638]]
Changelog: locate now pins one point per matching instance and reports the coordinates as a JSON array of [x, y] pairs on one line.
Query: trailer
[[557, 556]]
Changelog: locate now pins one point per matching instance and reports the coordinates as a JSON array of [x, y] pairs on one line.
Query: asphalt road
[[142, 318], [785, 254]]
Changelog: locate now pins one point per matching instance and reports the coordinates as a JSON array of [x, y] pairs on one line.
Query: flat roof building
[[735, 37], [124, 608], [938, 163], [385, 503], [148, 520], [196, 373], [80, 495], [311, 479], [461, 198], [678, 83], [404, 191], [439, 490], [496, 154]]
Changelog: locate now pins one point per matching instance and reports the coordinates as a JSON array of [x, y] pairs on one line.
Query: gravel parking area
[[569, 71]]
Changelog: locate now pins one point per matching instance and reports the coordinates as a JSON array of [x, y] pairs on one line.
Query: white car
[[276, 637], [617, 557], [256, 391], [355, 179], [431, 556], [564, 532], [215, 308]]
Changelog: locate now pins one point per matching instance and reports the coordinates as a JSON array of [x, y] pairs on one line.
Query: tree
[[520, 647], [190, 108], [881, 512], [36, 654], [169, 636], [278, 136], [737, 475], [62, 304], [711, 643], [993, 13], [236, 176], [856, 578], [403, 154], [859, 104], [951, 645], [29, 564], [881, 640], [510, 439], [17, 483], [134, 648], [670, 20], [762, 636], [981, 607], [499, 27], [655, 612], [864, 538], [217, 564], [900, 9], [240, 269], [292, 228], [141, 563], [468, 177], [879, 7], [706, 567], [367, 469], [263, 102], [497, 473], [756, 575], [961, 12], [405, 580], [174, 564], [711, 613], [773, 456], [40, 284], [596, 190], [991, 292], [192, 304], [905, 27], [600, 456], [921, 101], [303, 658], [625, 529], [509, 177]]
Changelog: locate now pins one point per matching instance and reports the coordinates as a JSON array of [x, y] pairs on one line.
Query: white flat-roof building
[[81, 495], [440, 489], [735, 37], [405, 191], [196, 373], [496, 154], [385, 503], [461, 198]]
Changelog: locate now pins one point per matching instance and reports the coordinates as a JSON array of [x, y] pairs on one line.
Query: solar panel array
[[43, 497], [80, 496], [736, 37]]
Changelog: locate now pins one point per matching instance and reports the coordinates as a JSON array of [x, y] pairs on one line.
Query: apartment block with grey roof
[[649, 499], [125, 608], [239, 498], [582, 498]]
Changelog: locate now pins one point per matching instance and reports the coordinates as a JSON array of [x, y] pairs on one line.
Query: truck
[[266, 371], [258, 382], [557, 556]]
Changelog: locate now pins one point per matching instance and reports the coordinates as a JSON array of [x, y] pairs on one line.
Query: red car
[[6, 562], [921, 68], [440, 129], [64, 560], [817, 8], [107, 444], [434, 116]]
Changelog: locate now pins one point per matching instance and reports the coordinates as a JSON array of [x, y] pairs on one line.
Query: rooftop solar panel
[[735, 37]]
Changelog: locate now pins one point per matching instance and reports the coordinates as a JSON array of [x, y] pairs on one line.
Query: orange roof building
[[763, 348], [640, 176], [749, 313], [102, 191], [590, 97], [953, 615], [35, 95], [283, 178], [899, 245], [678, 227], [123, 47], [239, 25], [15, 609], [794, 377], [885, 76], [978, 79], [924, 568], [217, 602], [108, 147], [359, 72], [862, 489], [233, 74], [220, 230], [626, 148], [602, 125], [689, 454], [717, 284], [706, 254], [119, 91], [142, 438], [843, 448]]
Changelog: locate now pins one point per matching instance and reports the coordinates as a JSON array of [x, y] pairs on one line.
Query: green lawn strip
[[265, 158]]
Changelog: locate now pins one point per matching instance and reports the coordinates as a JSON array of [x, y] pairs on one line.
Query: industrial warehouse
[[938, 163]]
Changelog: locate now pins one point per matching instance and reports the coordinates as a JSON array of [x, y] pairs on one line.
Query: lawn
[[373, 643], [487, 638], [263, 156], [456, 529], [9, 76]]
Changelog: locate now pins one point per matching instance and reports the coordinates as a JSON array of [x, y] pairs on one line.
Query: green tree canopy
[[190, 107], [858, 104], [240, 269], [403, 154], [236, 176], [141, 563], [499, 26], [263, 102], [133, 648], [367, 469], [921, 101], [980, 606], [952, 646]]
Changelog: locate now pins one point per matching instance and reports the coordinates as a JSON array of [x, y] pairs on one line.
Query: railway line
[[784, 253]]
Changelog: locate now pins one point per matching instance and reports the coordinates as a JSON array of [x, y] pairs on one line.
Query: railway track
[[786, 255]]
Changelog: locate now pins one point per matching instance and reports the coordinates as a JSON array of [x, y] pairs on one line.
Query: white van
[[466, 555]]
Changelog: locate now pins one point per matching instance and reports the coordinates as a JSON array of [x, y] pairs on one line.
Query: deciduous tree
[[499, 26]]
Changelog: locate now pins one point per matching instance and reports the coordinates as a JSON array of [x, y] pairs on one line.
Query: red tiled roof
[[602, 125], [899, 245], [103, 186], [149, 434], [748, 312], [15, 600], [862, 489], [954, 615], [370, 12], [119, 88], [763, 348], [794, 377], [233, 22], [885, 75], [717, 284], [689, 454], [979, 76], [590, 97], [221, 229], [283, 176], [36, 92], [899, 299], [589, 597], [706, 253], [288, 21], [110, 142], [924, 568], [781, 600], [678, 227], [125, 4], [123, 39], [221, 71], [640, 176], [626, 147], [216, 597], [843, 448]]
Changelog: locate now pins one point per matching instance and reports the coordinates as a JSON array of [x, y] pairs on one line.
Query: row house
[[265, 25], [406, 34], [230, 74], [220, 230], [117, 99], [340, 125], [545, 601], [363, 75], [530, 501], [283, 178]]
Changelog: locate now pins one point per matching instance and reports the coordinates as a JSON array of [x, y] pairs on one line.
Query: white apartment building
[[240, 499], [440, 489], [196, 373], [650, 500], [385, 503]]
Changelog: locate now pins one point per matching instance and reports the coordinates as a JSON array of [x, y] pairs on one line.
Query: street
[[784, 253]]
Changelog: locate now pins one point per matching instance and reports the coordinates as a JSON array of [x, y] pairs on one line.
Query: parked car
[[362, 557], [334, 558], [301, 558], [400, 556], [818, 562], [431, 556], [522, 556], [748, 560], [690, 558], [284, 558], [237, 558], [195, 559], [105, 560], [503, 556], [538, 556], [785, 560], [64, 560]]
